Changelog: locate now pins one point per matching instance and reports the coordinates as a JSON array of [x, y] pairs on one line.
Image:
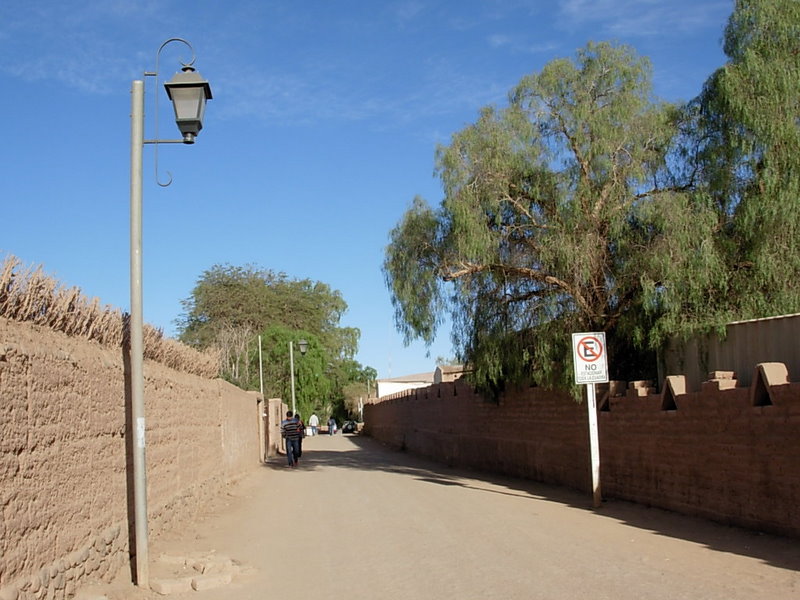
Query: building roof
[[451, 368], [419, 377]]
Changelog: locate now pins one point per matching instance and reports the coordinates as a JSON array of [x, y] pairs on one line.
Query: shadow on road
[[365, 454]]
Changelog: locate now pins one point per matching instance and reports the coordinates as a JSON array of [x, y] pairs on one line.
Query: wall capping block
[[721, 375], [765, 376], [675, 385], [606, 391], [718, 381], [640, 389]]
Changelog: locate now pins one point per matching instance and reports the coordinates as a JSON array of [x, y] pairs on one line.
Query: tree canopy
[[588, 205], [249, 298], [231, 306], [748, 140], [561, 213]]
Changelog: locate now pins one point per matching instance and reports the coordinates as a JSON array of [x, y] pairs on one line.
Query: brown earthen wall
[[716, 456], [65, 456], [275, 410]]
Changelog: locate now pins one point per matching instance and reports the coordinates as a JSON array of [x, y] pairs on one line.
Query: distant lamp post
[[303, 345], [189, 93]]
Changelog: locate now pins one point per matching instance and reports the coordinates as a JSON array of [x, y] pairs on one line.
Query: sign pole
[[591, 367], [594, 444]]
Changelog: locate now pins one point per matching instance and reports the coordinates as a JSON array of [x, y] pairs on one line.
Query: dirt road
[[357, 521]]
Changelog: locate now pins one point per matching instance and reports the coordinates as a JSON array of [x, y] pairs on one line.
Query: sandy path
[[358, 521]]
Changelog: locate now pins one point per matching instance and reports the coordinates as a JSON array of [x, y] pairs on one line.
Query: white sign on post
[[589, 351]]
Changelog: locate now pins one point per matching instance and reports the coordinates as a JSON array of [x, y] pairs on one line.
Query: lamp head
[[189, 93], [303, 346]]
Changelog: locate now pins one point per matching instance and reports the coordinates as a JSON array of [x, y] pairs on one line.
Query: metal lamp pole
[[189, 93], [262, 411], [136, 333], [303, 348], [291, 369]]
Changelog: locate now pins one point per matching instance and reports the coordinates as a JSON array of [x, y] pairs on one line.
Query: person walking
[[290, 431], [302, 427], [313, 422], [331, 426]]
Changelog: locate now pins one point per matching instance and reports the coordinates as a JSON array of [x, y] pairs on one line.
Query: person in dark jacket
[[302, 435], [291, 432]]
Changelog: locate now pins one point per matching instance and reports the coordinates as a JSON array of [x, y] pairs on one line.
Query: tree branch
[[465, 269]]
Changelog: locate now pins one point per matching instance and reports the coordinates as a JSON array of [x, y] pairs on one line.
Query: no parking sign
[[589, 352]]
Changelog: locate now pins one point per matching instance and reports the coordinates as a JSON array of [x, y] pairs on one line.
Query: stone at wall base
[[171, 586], [207, 582], [9, 593]]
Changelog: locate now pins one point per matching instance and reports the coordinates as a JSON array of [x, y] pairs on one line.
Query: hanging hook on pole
[[155, 74]]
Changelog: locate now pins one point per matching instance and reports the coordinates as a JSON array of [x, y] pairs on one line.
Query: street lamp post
[[189, 93], [303, 347]]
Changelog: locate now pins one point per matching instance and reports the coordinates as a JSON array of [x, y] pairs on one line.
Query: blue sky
[[323, 127]]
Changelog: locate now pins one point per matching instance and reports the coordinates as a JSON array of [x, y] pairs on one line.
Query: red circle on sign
[[590, 353]]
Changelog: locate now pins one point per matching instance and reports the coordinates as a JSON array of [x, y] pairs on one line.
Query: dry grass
[[27, 294]]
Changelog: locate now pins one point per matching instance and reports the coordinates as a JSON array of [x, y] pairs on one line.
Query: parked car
[[350, 427]]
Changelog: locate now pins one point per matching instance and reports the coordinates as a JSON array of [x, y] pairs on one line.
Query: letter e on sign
[[589, 356]]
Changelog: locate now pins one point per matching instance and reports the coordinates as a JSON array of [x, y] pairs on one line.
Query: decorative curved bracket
[[155, 73]]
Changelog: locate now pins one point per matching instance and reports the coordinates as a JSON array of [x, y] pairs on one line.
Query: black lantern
[[303, 346], [189, 93]]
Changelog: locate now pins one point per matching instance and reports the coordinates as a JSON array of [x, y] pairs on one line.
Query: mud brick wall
[[530, 434], [713, 454], [66, 464]]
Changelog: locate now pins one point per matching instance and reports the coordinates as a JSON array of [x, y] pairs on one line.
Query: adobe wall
[[65, 460], [713, 454], [275, 411]]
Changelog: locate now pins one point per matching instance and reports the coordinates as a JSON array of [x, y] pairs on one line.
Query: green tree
[[360, 388], [230, 306], [249, 298], [748, 139], [314, 387], [442, 361], [559, 215]]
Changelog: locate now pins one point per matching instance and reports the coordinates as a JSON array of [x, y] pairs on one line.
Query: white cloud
[[520, 44], [319, 96], [407, 11], [499, 40], [56, 41], [640, 18]]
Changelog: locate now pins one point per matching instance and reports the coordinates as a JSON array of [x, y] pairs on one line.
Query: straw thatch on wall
[[28, 294]]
